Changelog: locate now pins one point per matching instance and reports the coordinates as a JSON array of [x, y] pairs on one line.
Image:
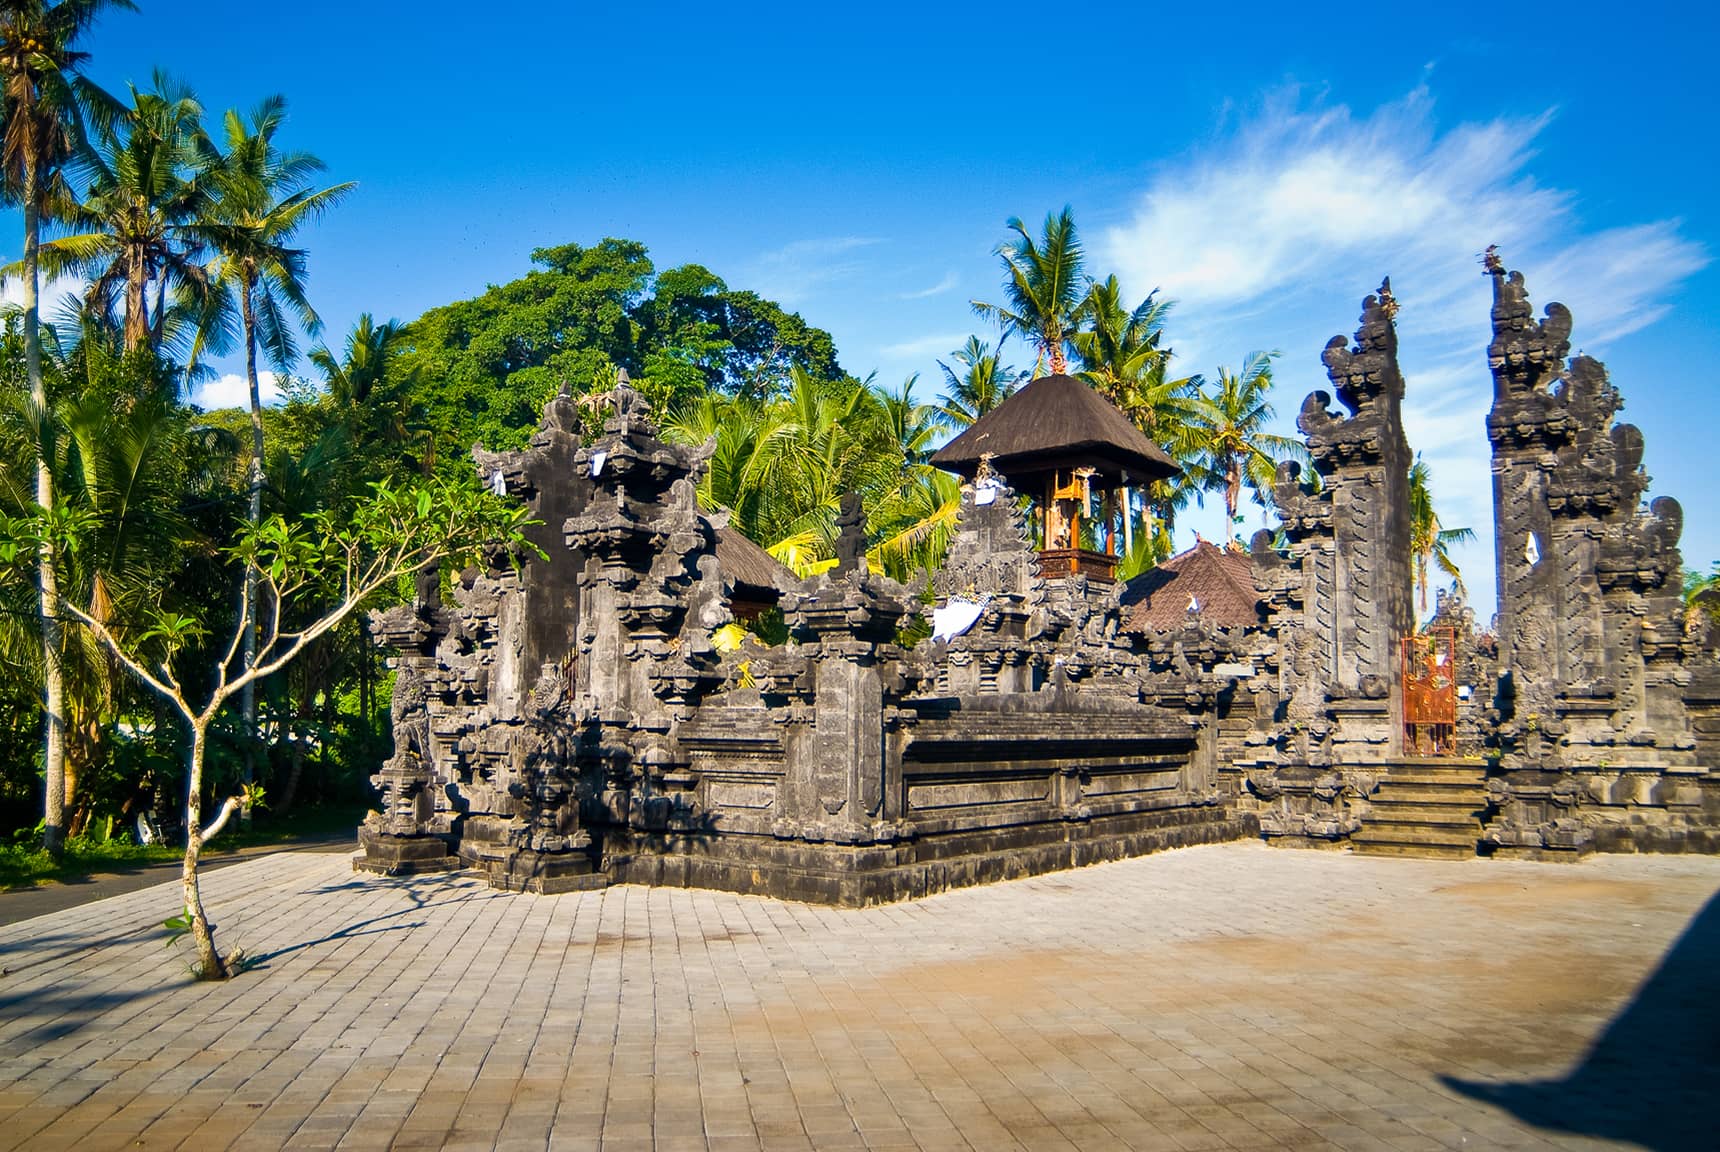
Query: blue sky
[[1263, 164]]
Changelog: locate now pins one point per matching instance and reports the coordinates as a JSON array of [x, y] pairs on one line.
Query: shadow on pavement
[[1653, 1075]]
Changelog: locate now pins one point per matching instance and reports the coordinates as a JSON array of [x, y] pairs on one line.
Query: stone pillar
[[840, 764], [404, 836]]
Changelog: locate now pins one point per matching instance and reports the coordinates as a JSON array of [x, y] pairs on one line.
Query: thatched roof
[[1217, 582], [1056, 422], [748, 565]]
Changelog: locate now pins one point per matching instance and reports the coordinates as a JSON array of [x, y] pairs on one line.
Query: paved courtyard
[[1226, 997]]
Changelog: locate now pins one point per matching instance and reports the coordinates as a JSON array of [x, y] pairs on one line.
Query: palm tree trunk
[[53, 674], [136, 311], [248, 694], [1232, 496]]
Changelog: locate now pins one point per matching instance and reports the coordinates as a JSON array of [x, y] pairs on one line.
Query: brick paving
[[1234, 996]]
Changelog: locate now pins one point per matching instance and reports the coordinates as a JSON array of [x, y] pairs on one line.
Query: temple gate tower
[[1343, 603]]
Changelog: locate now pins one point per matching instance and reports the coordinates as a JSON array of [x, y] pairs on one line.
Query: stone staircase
[[1429, 806]]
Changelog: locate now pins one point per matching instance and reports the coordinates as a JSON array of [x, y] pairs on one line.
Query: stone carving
[[1592, 719]]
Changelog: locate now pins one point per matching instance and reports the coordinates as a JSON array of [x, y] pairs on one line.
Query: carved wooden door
[[1430, 692]]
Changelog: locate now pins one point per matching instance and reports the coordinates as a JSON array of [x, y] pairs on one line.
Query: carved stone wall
[[614, 743]]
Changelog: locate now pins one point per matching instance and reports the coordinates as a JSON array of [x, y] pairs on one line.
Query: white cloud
[[795, 271], [949, 281], [51, 294], [924, 347], [1270, 239], [232, 391]]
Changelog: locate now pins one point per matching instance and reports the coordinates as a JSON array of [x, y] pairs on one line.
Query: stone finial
[[1369, 370], [1525, 354]]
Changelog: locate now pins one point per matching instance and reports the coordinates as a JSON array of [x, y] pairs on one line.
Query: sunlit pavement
[[1227, 997]]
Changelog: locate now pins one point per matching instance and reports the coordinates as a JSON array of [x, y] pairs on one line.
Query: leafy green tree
[[983, 383], [1235, 448], [1045, 288], [1429, 541], [914, 521], [486, 366], [342, 560], [40, 88], [143, 194], [148, 485]]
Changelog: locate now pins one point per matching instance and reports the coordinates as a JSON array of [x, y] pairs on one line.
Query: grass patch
[[26, 864]]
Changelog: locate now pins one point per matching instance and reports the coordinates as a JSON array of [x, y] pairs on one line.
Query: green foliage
[[24, 865], [1045, 288], [983, 383], [485, 367], [781, 466], [1236, 451]]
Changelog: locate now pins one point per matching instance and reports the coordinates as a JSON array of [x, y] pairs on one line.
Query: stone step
[[1420, 851], [1375, 833], [1455, 816], [1421, 794], [1439, 762], [1435, 780]]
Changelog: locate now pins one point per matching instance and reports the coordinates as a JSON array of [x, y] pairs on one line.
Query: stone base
[[1541, 855], [825, 873], [386, 855], [544, 873], [1312, 843]]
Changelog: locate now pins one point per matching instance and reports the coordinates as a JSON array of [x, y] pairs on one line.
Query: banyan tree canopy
[[1051, 424]]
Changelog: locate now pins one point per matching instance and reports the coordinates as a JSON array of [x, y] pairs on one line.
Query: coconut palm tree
[[1045, 289], [1235, 448], [261, 199], [1122, 358], [1429, 543], [135, 246], [40, 88], [983, 383], [910, 424]]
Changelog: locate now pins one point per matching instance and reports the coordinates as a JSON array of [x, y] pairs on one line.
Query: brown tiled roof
[[1219, 580], [748, 565], [1048, 421]]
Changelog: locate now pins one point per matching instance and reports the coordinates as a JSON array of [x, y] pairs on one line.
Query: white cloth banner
[[955, 618]]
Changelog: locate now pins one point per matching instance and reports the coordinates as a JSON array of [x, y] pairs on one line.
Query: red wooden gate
[[1430, 692]]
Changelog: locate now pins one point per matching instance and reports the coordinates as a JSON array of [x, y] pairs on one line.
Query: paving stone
[[1234, 996]]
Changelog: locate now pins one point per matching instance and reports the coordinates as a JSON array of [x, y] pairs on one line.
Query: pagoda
[[1059, 439]]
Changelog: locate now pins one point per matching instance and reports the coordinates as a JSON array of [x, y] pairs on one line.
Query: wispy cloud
[[794, 272], [231, 391], [949, 281], [924, 347], [1270, 238]]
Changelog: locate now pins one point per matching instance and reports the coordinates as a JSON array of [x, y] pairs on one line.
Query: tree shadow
[[1653, 1074], [420, 897]]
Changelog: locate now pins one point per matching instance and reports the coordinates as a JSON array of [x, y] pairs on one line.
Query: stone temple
[[569, 722]]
